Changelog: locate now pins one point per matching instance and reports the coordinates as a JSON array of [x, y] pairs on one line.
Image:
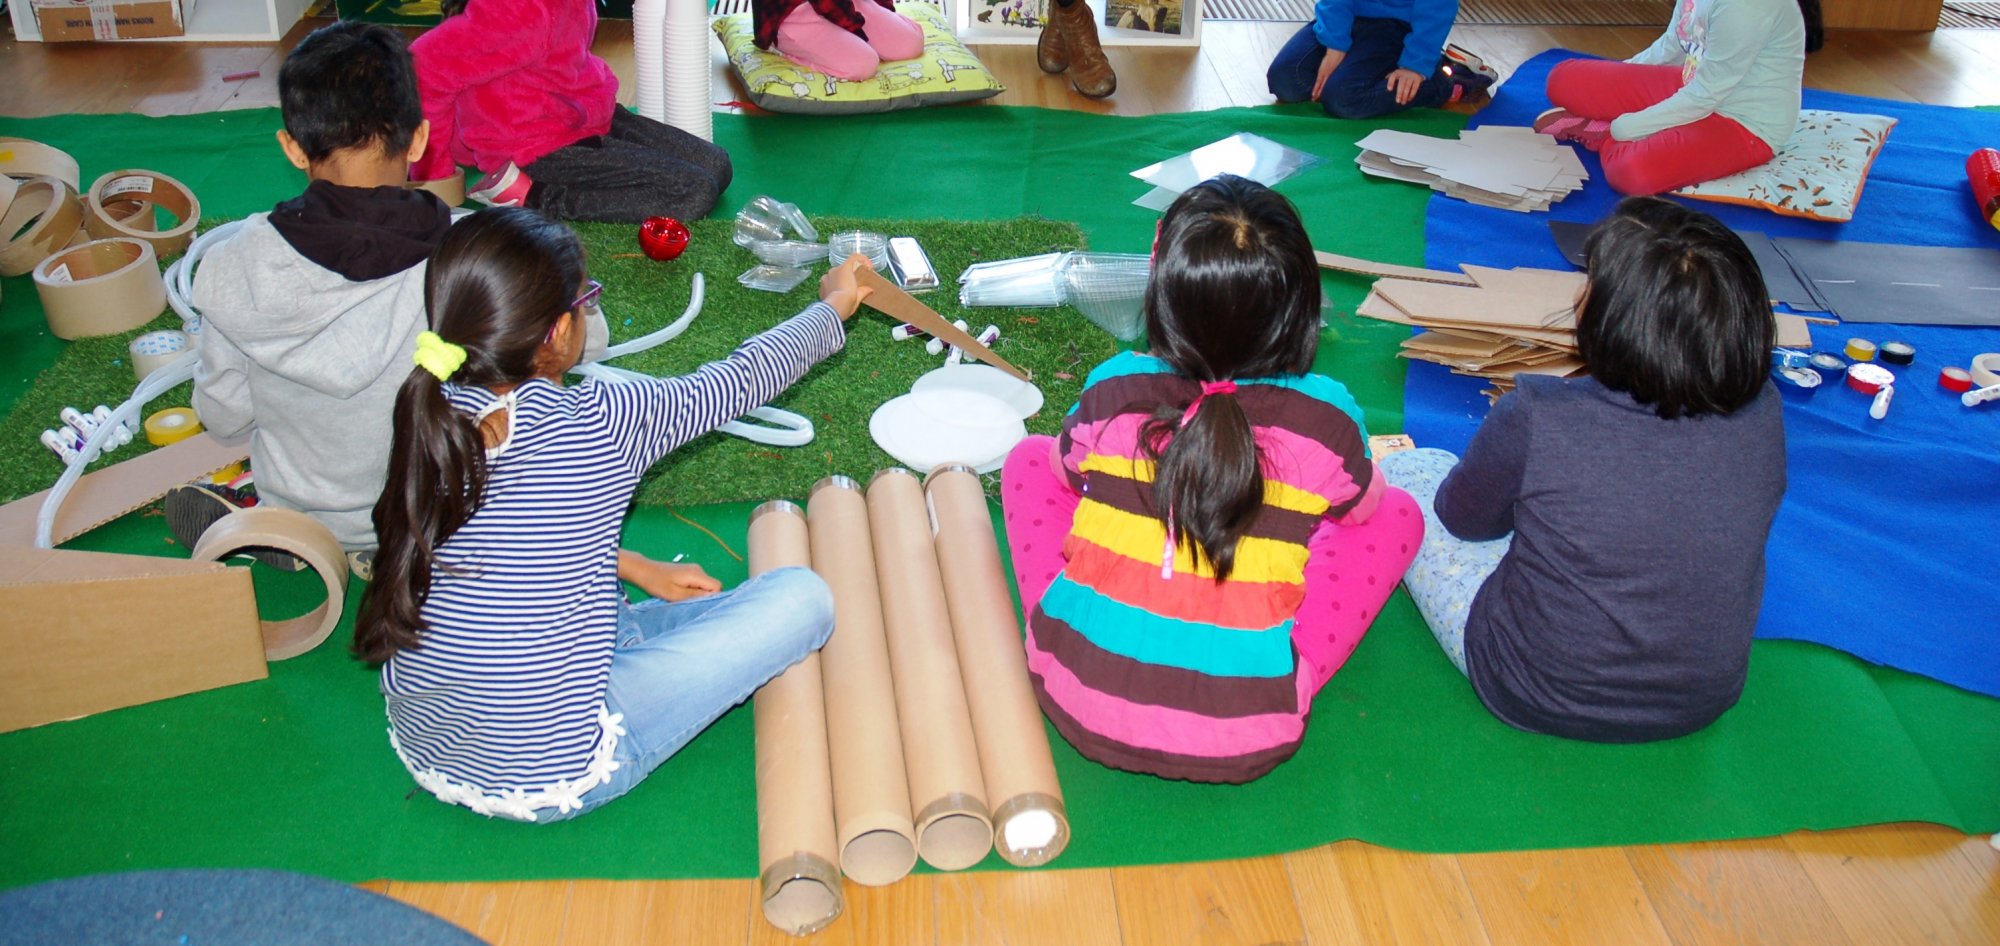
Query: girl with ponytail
[[520, 682], [1208, 539]]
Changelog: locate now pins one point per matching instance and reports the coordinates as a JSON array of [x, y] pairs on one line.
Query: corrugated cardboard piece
[[67, 21]]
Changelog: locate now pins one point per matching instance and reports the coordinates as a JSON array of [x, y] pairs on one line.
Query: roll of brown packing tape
[[1030, 821], [954, 830], [871, 793], [134, 214], [104, 219], [44, 215], [797, 848], [295, 533], [20, 157], [7, 188], [451, 189], [100, 288]]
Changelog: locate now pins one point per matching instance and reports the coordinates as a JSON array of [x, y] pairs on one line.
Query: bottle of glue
[[1880, 407]]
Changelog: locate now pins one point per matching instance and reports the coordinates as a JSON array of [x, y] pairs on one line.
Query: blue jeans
[[680, 665], [1359, 88]]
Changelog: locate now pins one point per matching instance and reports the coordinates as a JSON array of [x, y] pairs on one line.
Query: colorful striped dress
[[1176, 674]]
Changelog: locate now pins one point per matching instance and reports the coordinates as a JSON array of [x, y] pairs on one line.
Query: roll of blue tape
[[1790, 358], [1796, 384], [1827, 364]]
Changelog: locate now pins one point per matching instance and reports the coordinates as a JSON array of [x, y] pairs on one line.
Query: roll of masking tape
[[1860, 349], [7, 188], [151, 189], [296, 534], [154, 349], [451, 189], [101, 288], [20, 157], [172, 425], [1898, 353], [1869, 379], [44, 215], [1954, 379], [1985, 370]]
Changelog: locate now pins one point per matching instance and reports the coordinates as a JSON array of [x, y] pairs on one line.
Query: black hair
[[1676, 313], [451, 8], [1234, 294], [1815, 25], [496, 287], [350, 85]]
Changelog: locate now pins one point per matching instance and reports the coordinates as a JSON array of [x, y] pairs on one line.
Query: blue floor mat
[[1879, 549]]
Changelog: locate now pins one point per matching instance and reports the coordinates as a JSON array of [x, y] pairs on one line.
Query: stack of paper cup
[[648, 19], [687, 67]]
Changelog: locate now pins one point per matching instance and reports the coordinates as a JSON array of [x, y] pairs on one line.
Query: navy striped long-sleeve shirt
[[501, 707]]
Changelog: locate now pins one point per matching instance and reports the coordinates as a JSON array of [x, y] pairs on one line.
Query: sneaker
[[1564, 125], [1455, 55], [193, 507], [1468, 85], [507, 187]]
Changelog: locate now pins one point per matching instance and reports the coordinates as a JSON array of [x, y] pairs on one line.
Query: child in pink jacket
[[512, 88]]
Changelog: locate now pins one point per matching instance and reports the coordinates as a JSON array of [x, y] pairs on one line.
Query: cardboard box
[[86, 632], [69, 21]]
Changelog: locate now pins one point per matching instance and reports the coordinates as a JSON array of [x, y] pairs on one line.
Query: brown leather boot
[[1051, 53], [1089, 70]]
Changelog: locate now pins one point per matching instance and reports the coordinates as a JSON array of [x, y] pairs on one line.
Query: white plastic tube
[[164, 378]]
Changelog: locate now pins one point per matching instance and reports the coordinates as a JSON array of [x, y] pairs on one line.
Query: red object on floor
[[1982, 170], [663, 238], [1665, 160]]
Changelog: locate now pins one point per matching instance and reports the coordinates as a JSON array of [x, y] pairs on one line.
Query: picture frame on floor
[[1007, 22]]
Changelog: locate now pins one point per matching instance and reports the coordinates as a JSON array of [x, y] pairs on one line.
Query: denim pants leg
[[1448, 571], [1290, 77], [1360, 87], [680, 665]]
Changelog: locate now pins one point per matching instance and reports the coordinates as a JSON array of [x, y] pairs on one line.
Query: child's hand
[[1405, 83], [668, 581], [1327, 64], [840, 287]]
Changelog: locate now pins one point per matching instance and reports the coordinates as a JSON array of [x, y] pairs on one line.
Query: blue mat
[[1881, 546]]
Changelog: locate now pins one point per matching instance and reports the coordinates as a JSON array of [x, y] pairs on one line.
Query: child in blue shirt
[[1364, 58]]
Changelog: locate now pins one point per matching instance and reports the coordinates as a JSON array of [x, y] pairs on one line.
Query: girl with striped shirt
[[520, 682], [1208, 539]]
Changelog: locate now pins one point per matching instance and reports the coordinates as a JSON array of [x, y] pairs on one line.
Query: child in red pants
[[1717, 93]]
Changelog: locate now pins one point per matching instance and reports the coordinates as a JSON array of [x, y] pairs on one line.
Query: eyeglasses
[[592, 291]]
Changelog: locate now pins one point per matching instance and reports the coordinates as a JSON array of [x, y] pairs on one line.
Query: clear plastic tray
[[773, 278]]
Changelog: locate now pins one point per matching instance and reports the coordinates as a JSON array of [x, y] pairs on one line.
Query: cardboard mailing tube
[[1030, 824], [100, 288], [796, 846], [953, 830], [871, 795], [268, 527]]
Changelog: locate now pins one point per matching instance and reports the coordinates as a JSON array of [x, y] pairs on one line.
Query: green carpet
[[295, 771]]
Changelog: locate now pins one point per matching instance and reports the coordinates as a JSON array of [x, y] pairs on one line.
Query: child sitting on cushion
[[512, 88], [1365, 58], [846, 39]]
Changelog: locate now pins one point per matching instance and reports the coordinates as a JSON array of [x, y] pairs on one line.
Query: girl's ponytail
[[1207, 483]]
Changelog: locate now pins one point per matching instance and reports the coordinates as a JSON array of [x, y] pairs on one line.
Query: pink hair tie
[[1224, 386]]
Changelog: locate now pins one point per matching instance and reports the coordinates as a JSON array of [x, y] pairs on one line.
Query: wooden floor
[[1874, 886]]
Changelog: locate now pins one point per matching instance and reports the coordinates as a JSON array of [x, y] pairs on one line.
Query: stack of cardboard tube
[[913, 733]]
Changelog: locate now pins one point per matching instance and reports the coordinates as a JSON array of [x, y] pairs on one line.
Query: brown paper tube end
[[878, 858], [889, 471], [801, 894], [947, 468], [836, 481], [1031, 829], [777, 505], [955, 841], [295, 533]]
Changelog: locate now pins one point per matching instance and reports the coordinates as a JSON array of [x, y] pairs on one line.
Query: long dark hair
[[1676, 313], [496, 286], [1234, 294], [1815, 25]]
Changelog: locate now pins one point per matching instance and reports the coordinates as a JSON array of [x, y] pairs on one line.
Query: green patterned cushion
[[1818, 174], [946, 73]]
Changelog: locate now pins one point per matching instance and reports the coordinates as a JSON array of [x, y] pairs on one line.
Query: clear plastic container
[[875, 246], [771, 278], [767, 218], [795, 254]]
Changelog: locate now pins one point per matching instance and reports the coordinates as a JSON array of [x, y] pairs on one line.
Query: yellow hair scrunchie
[[437, 356]]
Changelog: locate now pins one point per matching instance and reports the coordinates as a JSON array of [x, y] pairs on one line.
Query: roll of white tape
[[1985, 369], [298, 535], [44, 215], [151, 189], [101, 288], [153, 349], [20, 157]]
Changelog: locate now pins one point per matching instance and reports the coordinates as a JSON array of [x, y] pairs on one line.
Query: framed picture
[[1121, 22]]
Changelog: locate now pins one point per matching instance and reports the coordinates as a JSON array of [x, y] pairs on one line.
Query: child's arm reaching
[[1476, 500], [1737, 35]]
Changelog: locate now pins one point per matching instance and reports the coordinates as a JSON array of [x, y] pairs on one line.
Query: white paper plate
[[1023, 397], [924, 430]]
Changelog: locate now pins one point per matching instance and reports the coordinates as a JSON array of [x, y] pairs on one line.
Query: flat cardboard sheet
[[1510, 168]]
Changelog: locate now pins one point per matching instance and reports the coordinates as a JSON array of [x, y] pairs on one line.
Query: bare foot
[[668, 581]]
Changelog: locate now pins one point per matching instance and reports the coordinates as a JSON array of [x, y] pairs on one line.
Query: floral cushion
[[946, 73], [1818, 174]]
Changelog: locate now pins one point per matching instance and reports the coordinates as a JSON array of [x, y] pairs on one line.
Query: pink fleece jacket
[[510, 80]]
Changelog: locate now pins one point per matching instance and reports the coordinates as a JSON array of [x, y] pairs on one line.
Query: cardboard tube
[[100, 288], [953, 830], [1030, 823], [55, 212], [295, 533], [796, 846], [871, 795], [152, 189], [451, 189], [20, 157]]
